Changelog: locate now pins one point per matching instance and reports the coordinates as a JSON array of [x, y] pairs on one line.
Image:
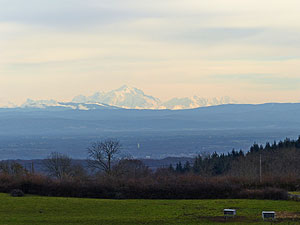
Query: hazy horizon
[[247, 50], [231, 100]]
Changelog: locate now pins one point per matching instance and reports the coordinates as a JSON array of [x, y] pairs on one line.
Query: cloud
[[216, 35], [66, 14], [267, 80], [170, 43]]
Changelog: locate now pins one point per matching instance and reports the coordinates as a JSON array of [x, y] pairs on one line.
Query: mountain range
[[128, 98], [37, 128]]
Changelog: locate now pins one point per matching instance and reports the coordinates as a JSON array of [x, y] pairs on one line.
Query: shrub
[[17, 193], [153, 186], [267, 193]]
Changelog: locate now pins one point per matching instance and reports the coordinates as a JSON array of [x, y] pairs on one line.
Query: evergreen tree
[[187, 167], [197, 164], [179, 168], [171, 168]]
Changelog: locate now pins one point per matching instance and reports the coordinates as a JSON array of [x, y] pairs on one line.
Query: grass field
[[33, 210]]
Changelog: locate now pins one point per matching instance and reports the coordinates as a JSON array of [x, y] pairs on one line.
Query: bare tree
[[58, 165], [12, 168], [102, 154]]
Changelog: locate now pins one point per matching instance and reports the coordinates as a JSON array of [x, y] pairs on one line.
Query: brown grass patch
[[236, 219], [288, 215]]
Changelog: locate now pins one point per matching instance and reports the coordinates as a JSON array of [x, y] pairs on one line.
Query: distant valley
[[34, 132]]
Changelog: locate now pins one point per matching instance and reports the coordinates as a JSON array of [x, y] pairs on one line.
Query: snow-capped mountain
[[39, 103], [124, 97], [133, 98], [52, 104], [196, 102], [7, 105]]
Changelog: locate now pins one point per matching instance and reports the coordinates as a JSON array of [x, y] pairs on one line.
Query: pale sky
[[245, 49]]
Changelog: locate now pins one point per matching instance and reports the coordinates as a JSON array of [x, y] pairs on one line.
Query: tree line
[[108, 175], [273, 160]]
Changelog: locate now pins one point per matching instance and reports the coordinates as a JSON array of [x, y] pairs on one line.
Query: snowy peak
[[39, 103], [133, 98], [125, 97], [7, 104], [52, 104], [196, 102]]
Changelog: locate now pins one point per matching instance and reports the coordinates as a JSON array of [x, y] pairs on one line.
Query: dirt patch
[[222, 219], [288, 215]]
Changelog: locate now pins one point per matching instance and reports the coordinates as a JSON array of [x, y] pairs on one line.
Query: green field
[[33, 210]]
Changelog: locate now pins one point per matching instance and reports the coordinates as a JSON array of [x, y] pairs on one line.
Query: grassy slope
[[43, 210]]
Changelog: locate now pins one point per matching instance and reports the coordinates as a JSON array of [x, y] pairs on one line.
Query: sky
[[56, 49]]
